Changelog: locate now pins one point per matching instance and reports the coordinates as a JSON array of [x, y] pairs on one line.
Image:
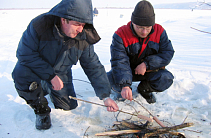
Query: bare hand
[[57, 83], [127, 93], [111, 105], [141, 69]]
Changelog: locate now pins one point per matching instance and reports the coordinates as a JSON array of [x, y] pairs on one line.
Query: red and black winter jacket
[[128, 51]]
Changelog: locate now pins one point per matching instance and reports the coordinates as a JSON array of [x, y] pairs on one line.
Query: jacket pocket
[[152, 48]]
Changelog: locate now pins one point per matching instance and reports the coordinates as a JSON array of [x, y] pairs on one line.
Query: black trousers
[[159, 81], [23, 77]]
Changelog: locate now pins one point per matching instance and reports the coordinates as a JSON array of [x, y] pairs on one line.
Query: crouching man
[[51, 44], [140, 51]]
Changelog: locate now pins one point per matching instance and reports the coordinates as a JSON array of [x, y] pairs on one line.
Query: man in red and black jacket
[[140, 51]]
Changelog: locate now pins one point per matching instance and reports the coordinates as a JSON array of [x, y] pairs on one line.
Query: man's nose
[[144, 31], [80, 28]]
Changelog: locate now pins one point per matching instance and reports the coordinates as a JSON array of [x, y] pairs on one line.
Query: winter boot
[[145, 90], [43, 121]]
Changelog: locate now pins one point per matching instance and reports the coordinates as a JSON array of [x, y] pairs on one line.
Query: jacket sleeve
[[120, 63], [164, 55], [28, 54], [95, 72]]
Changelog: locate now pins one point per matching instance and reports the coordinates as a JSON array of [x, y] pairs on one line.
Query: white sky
[[188, 99], [132, 3], [96, 3]]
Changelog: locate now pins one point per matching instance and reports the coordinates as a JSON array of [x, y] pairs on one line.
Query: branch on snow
[[200, 30]]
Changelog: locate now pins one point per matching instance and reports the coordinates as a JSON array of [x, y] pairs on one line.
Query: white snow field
[[189, 96]]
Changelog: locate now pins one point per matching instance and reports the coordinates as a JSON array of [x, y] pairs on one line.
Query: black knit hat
[[143, 14]]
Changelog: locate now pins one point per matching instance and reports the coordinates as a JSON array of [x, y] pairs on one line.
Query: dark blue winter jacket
[[47, 51], [127, 52]]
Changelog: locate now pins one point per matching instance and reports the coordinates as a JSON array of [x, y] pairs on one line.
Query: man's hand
[[127, 93], [57, 83], [141, 69], [111, 105]]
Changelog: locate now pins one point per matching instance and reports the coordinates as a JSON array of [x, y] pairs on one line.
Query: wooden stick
[[154, 117], [200, 30], [86, 131], [114, 133], [139, 116], [158, 121], [167, 129], [98, 104], [148, 132], [145, 118]]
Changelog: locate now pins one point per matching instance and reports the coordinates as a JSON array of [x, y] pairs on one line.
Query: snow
[[189, 96]]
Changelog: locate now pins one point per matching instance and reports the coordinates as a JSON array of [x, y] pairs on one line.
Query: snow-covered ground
[[189, 96]]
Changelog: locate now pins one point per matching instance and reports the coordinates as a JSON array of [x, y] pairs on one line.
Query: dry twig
[[146, 132], [139, 116], [167, 129], [154, 117], [86, 131], [200, 30]]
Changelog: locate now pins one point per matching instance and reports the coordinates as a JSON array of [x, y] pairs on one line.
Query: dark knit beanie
[[143, 14]]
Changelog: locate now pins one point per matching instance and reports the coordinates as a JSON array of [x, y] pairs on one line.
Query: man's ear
[[63, 20]]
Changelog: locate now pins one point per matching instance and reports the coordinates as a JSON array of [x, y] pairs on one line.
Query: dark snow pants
[[159, 81], [23, 77]]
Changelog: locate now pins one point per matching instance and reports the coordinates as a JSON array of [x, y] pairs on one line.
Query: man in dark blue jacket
[[140, 51], [51, 44]]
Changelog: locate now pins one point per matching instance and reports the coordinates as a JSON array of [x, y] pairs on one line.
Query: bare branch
[[200, 30], [86, 131]]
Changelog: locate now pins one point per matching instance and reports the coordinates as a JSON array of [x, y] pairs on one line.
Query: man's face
[[142, 31], [71, 28]]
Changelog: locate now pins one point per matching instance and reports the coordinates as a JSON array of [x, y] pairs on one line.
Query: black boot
[[43, 121], [145, 90]]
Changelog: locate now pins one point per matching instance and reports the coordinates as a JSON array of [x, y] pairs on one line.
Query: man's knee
[[161, 81], [61, 99], [23, 77], [64, 103], [167, 79], [36, 99]]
